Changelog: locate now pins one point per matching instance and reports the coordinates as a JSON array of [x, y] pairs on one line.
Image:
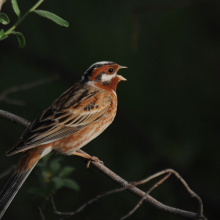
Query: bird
[[75, 118]]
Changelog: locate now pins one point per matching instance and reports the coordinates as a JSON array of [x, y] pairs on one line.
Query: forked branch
[[132, 187]]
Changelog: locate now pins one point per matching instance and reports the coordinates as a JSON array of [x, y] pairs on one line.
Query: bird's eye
[[111, 70]]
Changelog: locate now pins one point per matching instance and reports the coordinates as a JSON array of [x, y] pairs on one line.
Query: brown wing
[[73, 110]]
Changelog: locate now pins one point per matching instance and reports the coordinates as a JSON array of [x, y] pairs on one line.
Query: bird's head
[[103, 74]]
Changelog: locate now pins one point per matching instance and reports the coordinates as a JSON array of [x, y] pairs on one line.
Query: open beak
[[121, 78]]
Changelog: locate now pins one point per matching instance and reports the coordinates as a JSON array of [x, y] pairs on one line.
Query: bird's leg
[[89, 158]]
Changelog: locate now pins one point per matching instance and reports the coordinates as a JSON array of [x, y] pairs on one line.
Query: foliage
[[52, 177], [21, 40]]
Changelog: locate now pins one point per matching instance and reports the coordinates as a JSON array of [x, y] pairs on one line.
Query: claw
[[95, 159]]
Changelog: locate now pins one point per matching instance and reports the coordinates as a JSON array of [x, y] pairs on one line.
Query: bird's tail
[[15, 181]]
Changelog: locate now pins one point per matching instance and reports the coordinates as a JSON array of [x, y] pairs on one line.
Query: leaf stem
[[22, 18]]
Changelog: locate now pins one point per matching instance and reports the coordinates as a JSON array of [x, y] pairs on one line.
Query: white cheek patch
[[107, 78]]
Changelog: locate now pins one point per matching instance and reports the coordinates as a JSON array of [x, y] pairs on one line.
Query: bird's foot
[[94, 159], [89, 158]]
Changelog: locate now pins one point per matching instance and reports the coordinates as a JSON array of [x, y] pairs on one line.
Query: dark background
[[168, 113]]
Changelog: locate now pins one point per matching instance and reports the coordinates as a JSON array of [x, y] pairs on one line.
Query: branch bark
[[120, 181]]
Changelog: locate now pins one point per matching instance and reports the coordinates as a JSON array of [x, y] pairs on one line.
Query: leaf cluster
[[21, 40], [52, 177]]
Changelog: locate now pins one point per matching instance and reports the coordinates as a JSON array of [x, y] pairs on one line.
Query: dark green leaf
[[21, 39], [53, 17], [15, 7], [2, 35], [55, 165], [46, 158], [70, 184], [46, 175], [4, 18], [66, 171], [58, 183]]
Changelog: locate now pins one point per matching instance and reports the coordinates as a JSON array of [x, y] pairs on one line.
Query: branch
[[6, 92], [147, 193], [22, 18], [41, 213], [113, 176], [98, 197]]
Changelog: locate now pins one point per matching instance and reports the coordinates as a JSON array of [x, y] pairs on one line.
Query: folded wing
[[73, 110]]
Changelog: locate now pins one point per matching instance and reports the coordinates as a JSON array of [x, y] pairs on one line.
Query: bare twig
[[81, 208], [143, 198], [193, 194], [113, 176], [6, 92], [14, 118], [5, 173], [41, 213], [169, 171], [14, 101], [55, 208]]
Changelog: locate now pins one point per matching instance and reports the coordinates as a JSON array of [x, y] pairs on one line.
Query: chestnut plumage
[[78, 116]]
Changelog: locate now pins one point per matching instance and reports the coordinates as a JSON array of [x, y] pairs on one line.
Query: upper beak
[[122, 67]]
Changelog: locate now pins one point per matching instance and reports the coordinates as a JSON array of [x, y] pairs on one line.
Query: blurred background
[[168, 112]]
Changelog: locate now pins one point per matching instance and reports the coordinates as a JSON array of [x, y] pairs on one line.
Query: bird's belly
[[79, 139]]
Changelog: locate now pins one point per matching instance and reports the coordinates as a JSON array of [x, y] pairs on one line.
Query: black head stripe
[[85, 77], [99, 77]]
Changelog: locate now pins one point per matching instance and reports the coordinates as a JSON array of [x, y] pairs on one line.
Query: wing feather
[[73, 110]]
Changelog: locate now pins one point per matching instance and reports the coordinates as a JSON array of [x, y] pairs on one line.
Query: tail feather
[[11, 187]]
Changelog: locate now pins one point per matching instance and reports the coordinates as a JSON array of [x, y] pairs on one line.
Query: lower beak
[[121, 78]]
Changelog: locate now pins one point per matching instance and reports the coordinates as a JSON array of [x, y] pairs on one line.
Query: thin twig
[[113, 176], [41, 213], [169, 171], [191, 192], [14, 101], [55, 209], [143, 198], [15, 119], [81, 208], [26, 86], [23, 17]]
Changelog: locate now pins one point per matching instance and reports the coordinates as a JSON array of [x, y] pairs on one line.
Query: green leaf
[[15, 7], [70, 184], [66, 171], [53, 17], [46, 158], [20, 37], [4, 18], [58, 183], [2, 35], [55, 165]]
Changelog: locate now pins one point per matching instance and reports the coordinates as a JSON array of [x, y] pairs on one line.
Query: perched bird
[[78, 116]]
